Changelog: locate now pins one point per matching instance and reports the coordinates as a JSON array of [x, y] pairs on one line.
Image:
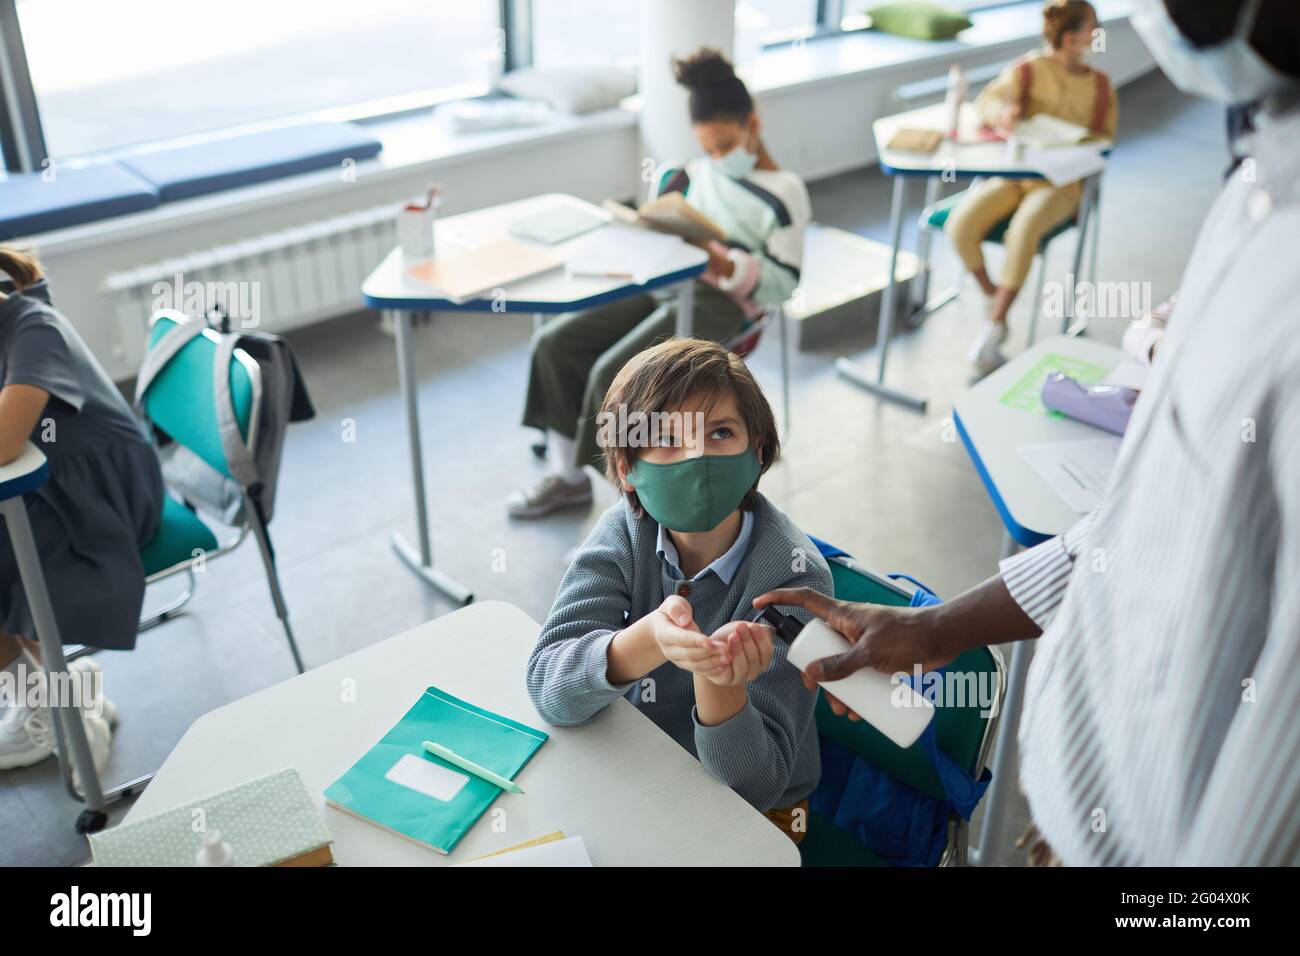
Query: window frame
[[23, 140]]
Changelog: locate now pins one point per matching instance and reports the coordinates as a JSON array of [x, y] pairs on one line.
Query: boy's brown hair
[[663, 377]]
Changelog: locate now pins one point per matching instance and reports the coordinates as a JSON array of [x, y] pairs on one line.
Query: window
[[570, 31], [112, 74], [760, 22]]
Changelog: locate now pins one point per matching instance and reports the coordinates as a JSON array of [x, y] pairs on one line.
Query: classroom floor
[[878, 480]]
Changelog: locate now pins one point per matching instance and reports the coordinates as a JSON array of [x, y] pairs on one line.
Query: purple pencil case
[[1108, 407]]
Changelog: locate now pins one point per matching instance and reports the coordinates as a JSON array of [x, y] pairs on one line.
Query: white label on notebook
[[427, 777]]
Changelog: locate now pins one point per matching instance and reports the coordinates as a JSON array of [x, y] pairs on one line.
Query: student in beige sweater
[[1059, 83]]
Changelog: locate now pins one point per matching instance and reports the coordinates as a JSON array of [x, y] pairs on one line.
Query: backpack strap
[[239, 460], [162, 352], [1025, 76], [1101, 105]]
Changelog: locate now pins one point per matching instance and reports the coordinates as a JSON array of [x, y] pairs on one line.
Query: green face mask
[[694, 494]]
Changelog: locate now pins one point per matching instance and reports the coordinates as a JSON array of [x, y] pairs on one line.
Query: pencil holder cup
[[415, 231]]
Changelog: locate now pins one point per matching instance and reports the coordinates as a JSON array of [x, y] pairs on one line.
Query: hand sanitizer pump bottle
[[896, 710]]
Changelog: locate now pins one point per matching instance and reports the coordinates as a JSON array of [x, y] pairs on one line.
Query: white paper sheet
[[620, 250], [1078, 471], [1062, 165], [570, 851], [1129, 373], [426, 777]]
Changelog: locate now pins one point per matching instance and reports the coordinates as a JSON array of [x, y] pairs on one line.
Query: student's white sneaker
[[986, 350], [551, 493], [26, 736]]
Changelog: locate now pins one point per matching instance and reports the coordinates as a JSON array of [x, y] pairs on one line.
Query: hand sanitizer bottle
[[214, 851], [896, 710]]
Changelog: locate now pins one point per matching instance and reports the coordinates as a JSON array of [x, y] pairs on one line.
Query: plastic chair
[[935, 216], [180, 404], [746, 341], [962, 733]]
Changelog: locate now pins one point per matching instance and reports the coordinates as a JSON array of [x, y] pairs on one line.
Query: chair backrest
[[959, 727], [181, 401]]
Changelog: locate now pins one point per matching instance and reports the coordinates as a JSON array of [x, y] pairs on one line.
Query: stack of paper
[[621, 251]]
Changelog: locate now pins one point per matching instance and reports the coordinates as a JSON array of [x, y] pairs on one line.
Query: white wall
[[817, 128]]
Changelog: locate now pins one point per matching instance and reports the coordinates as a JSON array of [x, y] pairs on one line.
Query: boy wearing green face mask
[[653, 607]]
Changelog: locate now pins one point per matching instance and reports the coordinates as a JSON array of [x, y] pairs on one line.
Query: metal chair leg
[[272, 576], [171, 608]]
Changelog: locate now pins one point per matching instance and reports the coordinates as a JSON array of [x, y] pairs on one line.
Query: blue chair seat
[[180, 533], [936, 217], [195, 170], [30, 204]]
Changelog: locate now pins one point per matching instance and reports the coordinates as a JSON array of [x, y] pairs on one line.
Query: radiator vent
[[293, 276]]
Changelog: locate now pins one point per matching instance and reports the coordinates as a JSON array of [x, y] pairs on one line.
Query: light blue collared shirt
[[724, 566]]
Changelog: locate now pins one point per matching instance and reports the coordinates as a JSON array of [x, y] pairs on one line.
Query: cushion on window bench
[[181, 172], [63, 196]]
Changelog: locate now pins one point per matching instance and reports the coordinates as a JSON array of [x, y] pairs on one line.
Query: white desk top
[[625, 787], [25, 473], [994, 432], [388, 287], [967, 157]]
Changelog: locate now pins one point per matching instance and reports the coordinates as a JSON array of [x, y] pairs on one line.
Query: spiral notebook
[[397, 785]]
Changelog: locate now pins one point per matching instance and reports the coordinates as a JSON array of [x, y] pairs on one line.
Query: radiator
[[271, 282]]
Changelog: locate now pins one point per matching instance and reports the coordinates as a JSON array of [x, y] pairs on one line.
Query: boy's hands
[[679, 638], [746, 650]]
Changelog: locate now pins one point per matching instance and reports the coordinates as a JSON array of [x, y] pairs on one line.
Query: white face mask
[[738, 163], [1230, 72]]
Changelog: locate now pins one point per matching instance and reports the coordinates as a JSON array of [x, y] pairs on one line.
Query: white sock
[[560, 454]]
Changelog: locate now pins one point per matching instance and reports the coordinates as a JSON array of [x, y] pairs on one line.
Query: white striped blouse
[[1162, 711]]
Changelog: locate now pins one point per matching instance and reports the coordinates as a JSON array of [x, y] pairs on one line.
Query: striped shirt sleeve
[[1037, 578]]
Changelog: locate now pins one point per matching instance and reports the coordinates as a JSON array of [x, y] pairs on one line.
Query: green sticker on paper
[[1026, 394]]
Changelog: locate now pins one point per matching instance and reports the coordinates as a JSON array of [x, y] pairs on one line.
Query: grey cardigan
[[768, 752]]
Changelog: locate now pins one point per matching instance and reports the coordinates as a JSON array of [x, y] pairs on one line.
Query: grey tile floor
[[878, 480]]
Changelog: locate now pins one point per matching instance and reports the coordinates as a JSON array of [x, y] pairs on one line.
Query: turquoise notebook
[[399, 786]]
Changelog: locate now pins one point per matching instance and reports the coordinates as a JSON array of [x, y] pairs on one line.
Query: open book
[[1044, 130], [669, 213]]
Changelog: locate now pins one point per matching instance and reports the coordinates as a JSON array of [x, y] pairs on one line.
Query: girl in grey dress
[[104, 496]]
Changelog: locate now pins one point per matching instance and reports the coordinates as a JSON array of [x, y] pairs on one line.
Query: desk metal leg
[[1002, 785], [885, 325], [920, 286], [71, 732], [1070, 323], [686, 309], [421, 561]]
